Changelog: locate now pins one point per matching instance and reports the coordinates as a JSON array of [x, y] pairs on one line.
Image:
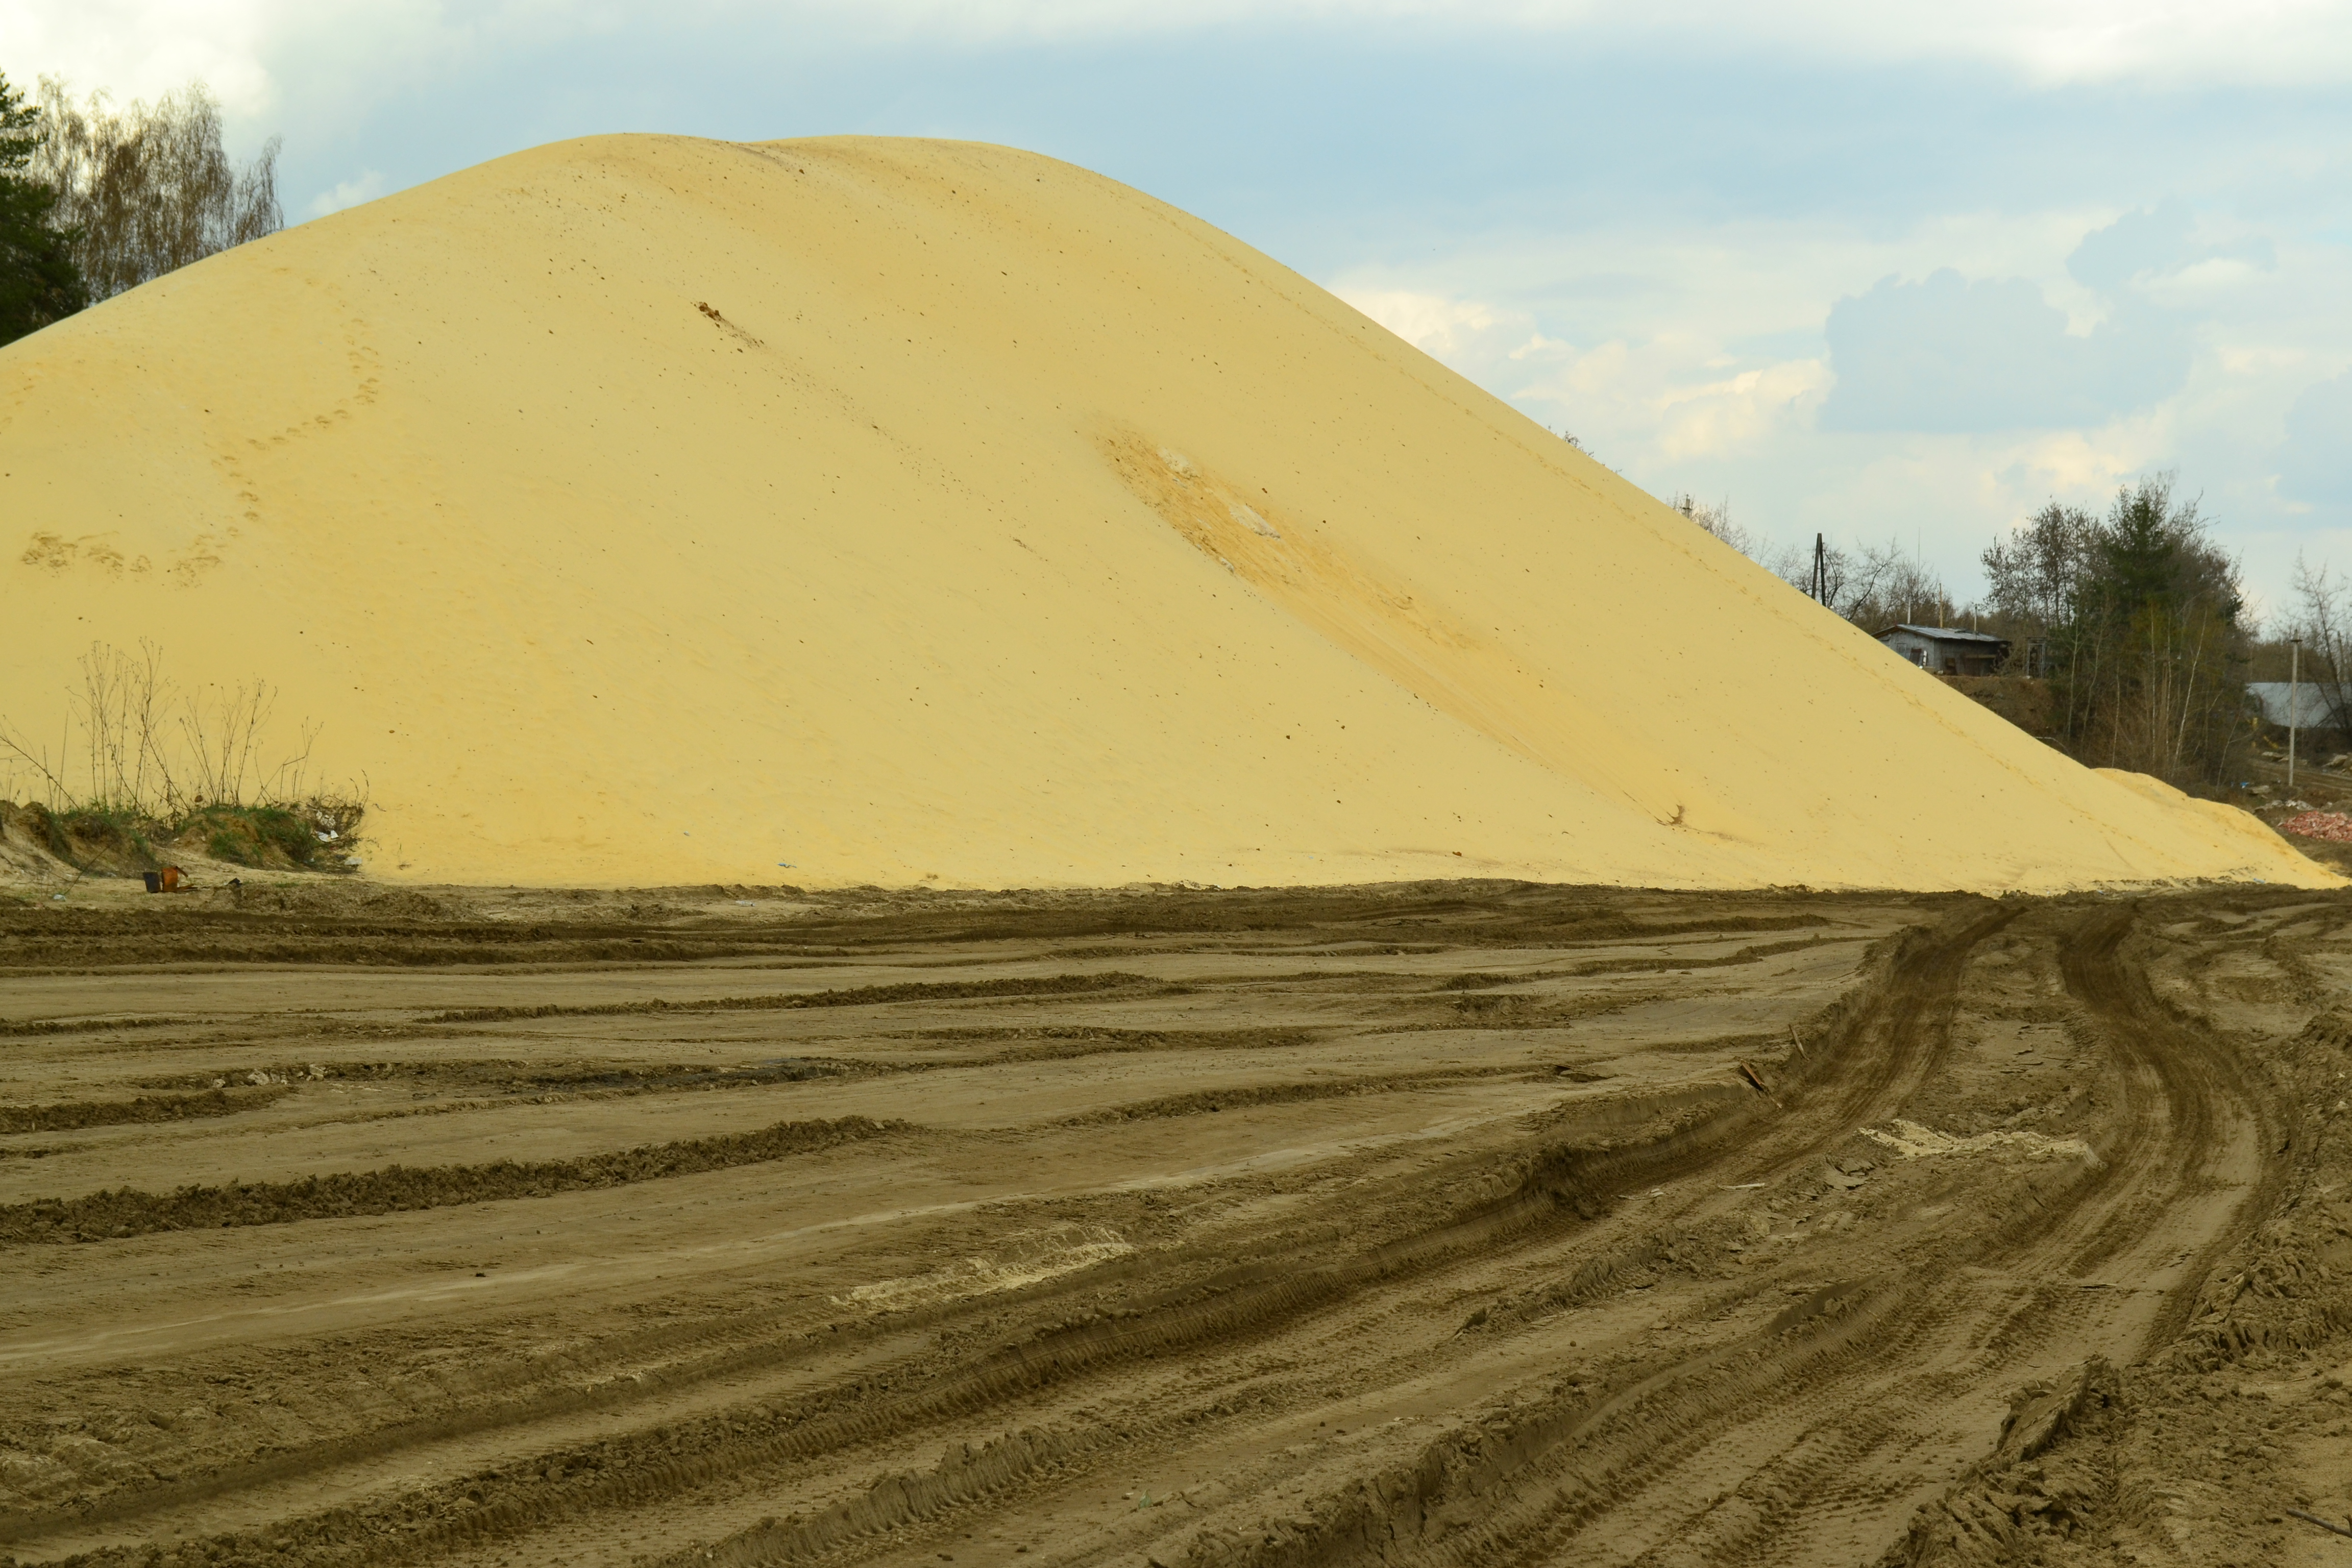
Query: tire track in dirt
[[123, 1213], [2180, 1090], [1253, 1303], [2183, 1092], [1268, 1314], [1916, 987], [1922, 1333]]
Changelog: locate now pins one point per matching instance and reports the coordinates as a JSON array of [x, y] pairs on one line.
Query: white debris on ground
[[1914, 1142], [1030, 1259]]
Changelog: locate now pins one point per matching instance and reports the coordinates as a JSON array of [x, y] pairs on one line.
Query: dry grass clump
[[143, 771]]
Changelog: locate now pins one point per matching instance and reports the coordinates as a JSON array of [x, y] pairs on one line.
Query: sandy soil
[[1454, 1222], [874, 511]]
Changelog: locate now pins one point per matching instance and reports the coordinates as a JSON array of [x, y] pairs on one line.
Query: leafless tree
[[1714, 517], [147, 189], [2319, 621], [1875, 586], [136, 745]]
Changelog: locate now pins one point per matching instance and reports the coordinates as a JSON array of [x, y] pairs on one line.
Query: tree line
[[2135, 616], [97, 199]]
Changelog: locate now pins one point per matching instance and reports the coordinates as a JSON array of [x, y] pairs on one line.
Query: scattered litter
[[1743, 1186], [1914, 1142], [2331, 825]]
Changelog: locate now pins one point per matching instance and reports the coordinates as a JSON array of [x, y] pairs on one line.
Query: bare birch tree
[[147, 189]]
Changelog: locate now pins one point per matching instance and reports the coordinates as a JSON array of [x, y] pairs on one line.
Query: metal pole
[[2293, 700]]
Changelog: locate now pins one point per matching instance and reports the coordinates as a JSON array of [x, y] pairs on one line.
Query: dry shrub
[[143, 768]]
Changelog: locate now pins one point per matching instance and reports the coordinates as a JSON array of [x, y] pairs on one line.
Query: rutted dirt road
[[1463, 1223]]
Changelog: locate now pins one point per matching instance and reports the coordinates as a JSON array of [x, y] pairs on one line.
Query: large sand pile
[[643, 509]]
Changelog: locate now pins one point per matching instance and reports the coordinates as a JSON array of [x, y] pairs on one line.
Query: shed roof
[[1945, 634]]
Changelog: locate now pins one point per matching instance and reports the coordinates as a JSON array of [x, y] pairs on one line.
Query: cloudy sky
[[1872, 269]]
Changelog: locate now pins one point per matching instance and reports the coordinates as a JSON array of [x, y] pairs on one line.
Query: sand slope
[[641, 509]]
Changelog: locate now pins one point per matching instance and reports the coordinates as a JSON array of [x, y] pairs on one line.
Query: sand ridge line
[[771, 1242], [69, 1116], [125, 1213], [1213, 1101], [856, 997], [27, 1028]]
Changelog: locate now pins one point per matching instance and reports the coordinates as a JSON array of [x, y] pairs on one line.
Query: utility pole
[[1821, 571], [2294, 695]]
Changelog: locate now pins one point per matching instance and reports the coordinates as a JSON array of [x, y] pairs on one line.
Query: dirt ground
[[1463, 1223]]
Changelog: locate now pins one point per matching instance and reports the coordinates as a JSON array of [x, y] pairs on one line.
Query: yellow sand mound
[[648, 510]]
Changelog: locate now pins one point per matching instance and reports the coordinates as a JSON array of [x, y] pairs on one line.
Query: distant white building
[[2315, 705], [1947, 650]]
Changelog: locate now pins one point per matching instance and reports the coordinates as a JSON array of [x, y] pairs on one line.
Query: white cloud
[[1717, 418], [348, 194], [2078, 463], [143, 48], [1949, 354], [1439, 327], [2045, 40], [1690, 357], [253, 52], [2315, 464]]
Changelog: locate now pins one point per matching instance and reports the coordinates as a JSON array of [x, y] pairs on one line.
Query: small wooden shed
[[1948, 650]]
